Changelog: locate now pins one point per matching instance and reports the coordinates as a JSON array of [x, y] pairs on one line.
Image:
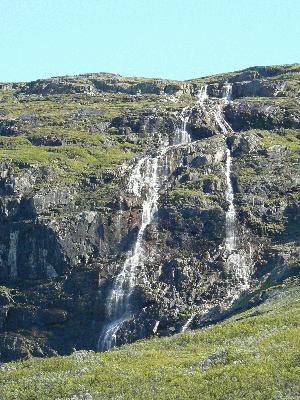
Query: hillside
[[252, 356], [134, 207]]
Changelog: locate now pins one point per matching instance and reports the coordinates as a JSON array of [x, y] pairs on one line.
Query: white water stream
[[146, 180], [230, 214], [237, 261], [188, 323], [227, 91], [147, 177], [202, 95]]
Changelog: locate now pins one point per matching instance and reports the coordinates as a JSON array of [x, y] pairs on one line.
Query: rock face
[[69, 218]]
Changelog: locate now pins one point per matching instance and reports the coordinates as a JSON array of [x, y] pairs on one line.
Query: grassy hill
[[254, 355]]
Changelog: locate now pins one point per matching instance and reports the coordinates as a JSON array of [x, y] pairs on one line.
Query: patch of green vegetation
[[246, 171], [254, 355], [210, 177], [38, 108], [281, 199], [288, 103], [60, 108], [203, 189], [6, 95], [293, 85], [265, 178], [262, 226], [185, 192], [71, 161], [68, 134], [5, 290], [13, 142], [290, 138], [285, 68], [75, 136]]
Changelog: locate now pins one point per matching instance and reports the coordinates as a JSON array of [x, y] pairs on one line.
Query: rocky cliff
[[213, 161]]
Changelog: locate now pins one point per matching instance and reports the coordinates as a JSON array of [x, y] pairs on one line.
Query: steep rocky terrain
[[71, 151]]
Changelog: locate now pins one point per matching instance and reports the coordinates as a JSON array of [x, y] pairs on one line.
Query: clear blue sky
[[178, 39]]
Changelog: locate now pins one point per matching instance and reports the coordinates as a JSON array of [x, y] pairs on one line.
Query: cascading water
[[181, 134], [213, 110], [227, 91], [118, 302], [146, 180], [236, 260], [237, 263], [149, 175], [202, 94], [230, 215], [188, 323]]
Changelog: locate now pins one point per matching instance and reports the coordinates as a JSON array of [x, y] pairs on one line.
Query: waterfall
[[236, 259], [227, 91], [146, 181], [230, 215], [212, 109], [187, 324], [147, 177], [135, 181], [181, 134], [155, 326], [202, 94], [118, 302]]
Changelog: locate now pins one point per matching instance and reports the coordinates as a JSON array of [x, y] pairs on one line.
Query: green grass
[[13, 142], [70, 133], [184, 192], [71, 161], [59, 108], [255, 355], [67, 134], [289, 138], [289, 103]]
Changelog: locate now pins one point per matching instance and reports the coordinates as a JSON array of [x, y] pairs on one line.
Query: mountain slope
[[77, 160]]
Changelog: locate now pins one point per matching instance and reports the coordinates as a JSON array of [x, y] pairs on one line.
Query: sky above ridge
[[176, 39]]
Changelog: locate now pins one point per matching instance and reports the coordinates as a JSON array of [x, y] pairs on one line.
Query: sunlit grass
[[252, 356]]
